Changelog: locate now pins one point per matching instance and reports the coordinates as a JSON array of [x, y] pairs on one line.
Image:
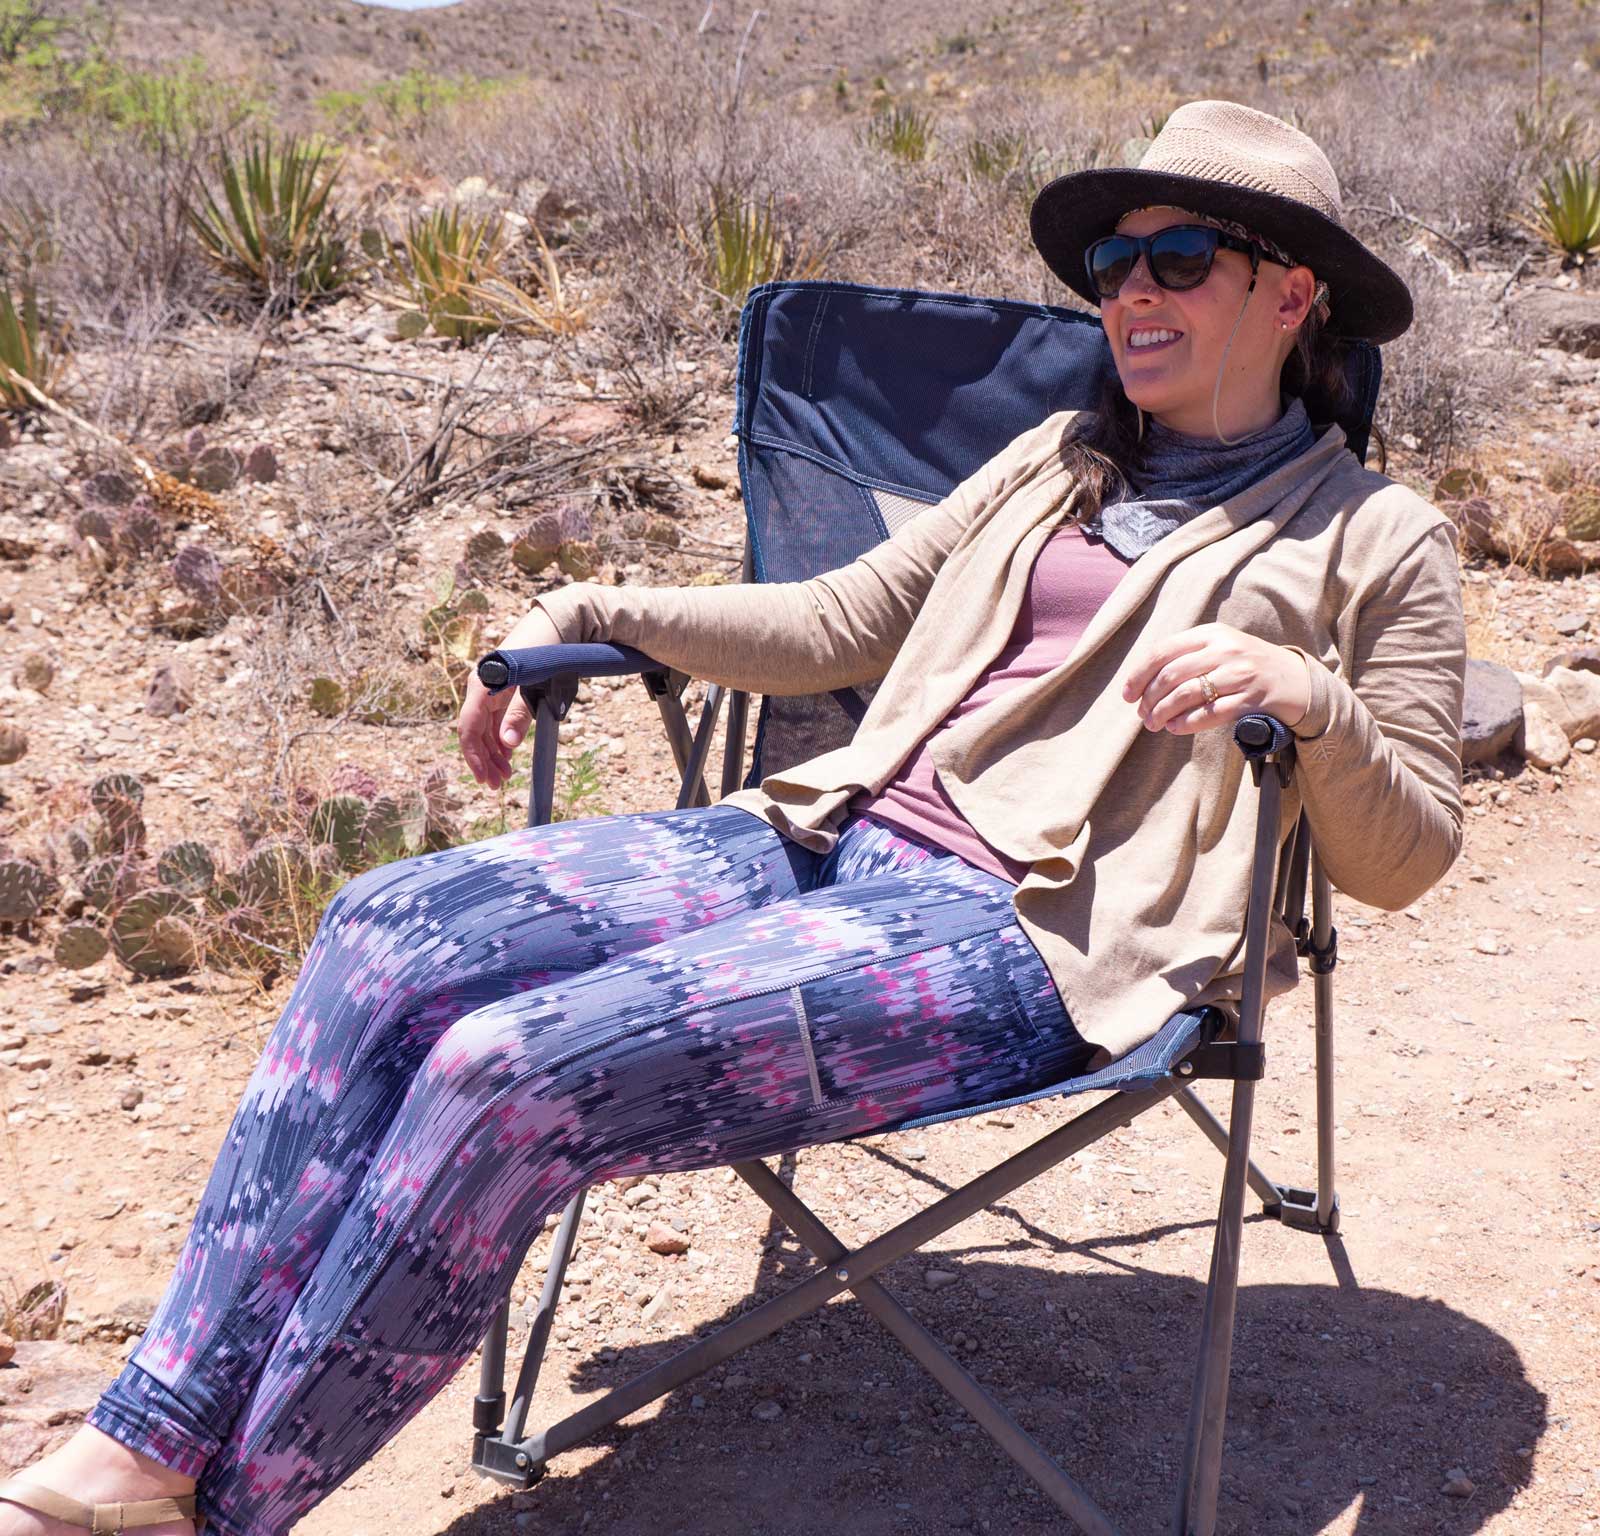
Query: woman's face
[[1174, 379]]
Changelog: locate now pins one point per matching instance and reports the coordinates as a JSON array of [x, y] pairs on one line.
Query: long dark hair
[[1103, 444]]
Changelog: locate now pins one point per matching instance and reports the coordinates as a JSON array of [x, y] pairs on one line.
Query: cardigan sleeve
[[1379, 758], [835, 630]]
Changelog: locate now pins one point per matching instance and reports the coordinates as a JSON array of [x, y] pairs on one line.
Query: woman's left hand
[[1247, 674]]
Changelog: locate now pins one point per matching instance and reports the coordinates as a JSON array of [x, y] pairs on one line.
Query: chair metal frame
[[503, 1448]]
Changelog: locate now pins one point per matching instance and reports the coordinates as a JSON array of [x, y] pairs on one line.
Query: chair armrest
[[530, 666]]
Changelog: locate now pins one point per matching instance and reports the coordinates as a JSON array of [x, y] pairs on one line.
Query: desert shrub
[[410, 107]]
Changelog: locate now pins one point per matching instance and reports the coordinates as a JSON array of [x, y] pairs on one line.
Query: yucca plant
[[268, 222], [903, 132], [457, 275], [994, 156], [1568, 213], [743, 246], [30, 351]]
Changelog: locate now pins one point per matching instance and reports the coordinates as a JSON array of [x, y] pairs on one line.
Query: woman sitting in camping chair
[[1033, 852]]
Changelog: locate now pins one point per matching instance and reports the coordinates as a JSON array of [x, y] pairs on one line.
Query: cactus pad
[[337, 822], [151, 934], [272, 873], [25, 888], [80, 944], [187, 867]]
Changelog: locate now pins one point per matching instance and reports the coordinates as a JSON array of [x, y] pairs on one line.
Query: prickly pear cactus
[[94, 523], [272, 873], [111, 879], [140, 531], [152, 935], [25, 889], [36, 671], [393, 829], [1583, 515], [13, 744], [119, 798], [337, 822], [79, 945], [485, 554], [187, 867], [198, 573]]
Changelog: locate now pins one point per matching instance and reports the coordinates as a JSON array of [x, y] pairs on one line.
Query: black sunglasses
[[1178, 257]]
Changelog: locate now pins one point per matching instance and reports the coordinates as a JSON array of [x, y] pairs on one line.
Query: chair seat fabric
[[1146, 1063]]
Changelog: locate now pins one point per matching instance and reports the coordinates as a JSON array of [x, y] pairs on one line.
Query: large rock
[[1571, 699], [1562, 317], [1491, 713]]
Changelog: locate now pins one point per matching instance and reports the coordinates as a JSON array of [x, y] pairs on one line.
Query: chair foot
[[496, 1458], [1297, 1208]]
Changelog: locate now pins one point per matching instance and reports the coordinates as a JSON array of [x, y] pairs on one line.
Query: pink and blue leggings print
[[478, 1033]]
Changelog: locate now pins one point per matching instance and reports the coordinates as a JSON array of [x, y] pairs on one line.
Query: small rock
[[132, 1099], [915, 1154], [1584, 744], [662, 1239], [638, 1195], [1570, 623], [1586, 658], [8, 1348], [939, 1279], [447, 1490], [1487, 943], [1457, 1485], [1544, 743], [710, 478], [767, 1410], [170, 690]]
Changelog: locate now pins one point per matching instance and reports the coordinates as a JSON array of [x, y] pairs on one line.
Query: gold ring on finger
[[1209, 687]]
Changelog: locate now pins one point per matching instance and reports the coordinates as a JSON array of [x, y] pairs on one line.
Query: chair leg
[[1202, 1470], [1323, 942]]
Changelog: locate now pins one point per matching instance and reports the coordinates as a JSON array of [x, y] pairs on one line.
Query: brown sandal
[[102, 1519]]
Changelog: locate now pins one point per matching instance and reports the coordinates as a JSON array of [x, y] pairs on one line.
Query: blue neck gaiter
[[1180, 476]]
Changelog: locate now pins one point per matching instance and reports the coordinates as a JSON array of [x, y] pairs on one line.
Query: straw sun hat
[[1231, 162]]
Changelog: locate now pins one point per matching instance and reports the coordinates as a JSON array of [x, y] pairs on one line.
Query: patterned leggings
[[477, 1034]]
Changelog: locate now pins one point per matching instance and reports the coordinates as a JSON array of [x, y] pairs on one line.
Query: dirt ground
[[1451, 1326]]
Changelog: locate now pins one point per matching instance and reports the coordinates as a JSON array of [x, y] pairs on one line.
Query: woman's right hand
[[492, 725]]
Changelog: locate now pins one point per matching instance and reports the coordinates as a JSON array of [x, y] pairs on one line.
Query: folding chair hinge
[[558, 694], [505, 1463], [1322, 960], [1225, 1059], [659, 684]]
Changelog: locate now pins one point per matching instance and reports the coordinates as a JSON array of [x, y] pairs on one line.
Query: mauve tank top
[[1072, 576]]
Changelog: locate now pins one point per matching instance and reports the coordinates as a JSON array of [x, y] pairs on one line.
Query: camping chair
[[855, 407]]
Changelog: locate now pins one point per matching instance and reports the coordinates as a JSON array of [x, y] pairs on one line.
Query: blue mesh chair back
[[856, 407]]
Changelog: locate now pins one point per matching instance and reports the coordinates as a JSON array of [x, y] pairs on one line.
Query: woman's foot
[[95, 1469]]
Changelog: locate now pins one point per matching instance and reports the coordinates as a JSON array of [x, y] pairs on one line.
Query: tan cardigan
[[1138, 843]]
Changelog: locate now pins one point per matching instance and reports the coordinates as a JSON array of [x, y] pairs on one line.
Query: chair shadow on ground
[[1344, 1399]]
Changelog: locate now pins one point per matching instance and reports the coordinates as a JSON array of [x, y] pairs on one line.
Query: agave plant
[[268, 222], [30, 348], [995, 156], [1568, 213]]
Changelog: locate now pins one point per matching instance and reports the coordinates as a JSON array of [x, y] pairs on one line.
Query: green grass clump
[[265, 221], [405, 107], [741, 246], [903, 132]]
